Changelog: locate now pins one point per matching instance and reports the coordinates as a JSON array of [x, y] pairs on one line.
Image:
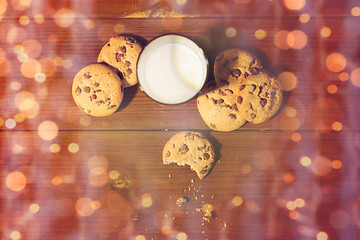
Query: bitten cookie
[[190, 148], [97, 90], [217, 107], [259, 97], [122, 53], [235, 65]]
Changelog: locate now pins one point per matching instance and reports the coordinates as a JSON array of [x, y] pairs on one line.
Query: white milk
[[172, 69]]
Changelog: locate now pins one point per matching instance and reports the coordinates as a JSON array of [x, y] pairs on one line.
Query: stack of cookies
[[98, 88], [242, 92]]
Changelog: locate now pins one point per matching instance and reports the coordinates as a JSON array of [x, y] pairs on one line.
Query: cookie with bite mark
[[190, 148]]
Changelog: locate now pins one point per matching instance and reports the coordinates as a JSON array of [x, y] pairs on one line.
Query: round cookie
[[235, 65], [97, 90], [217, 107], [190, 148], [122, 53], [259, 97]]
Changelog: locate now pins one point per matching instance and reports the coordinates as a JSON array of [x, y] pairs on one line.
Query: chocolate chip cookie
[[235, 65], [122, 53], [259, 97], [190, 148], [97, 90], [217, 107]]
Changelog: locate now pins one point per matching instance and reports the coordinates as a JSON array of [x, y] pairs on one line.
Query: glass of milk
[[172, 69]]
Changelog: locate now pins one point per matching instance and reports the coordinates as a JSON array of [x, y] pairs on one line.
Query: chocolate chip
[[173, 145], [100, 102], [234, 107], [183, 149], [232, 116], [263, 102], [230, 91], [112, 106], [225, 63], [201, 147], [127, 63], [87, 89], [118, 57], [206, 156], [128, 71], [123, 49], [213, 126], [236, 73], [168, 154], [94, 96], [221, 93], [96, 84], [130, 39], [220, 57], [88, 110], [239, 100], [246, 74], [81, 107], [255, 70], [241, 87], [253, 115], [98, 90], [78, 90], [121, 75], [108, 44], [91, 99], [87, 75]]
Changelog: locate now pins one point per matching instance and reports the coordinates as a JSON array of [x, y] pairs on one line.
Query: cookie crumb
[[120, 183], [182, 200], [225, 226]]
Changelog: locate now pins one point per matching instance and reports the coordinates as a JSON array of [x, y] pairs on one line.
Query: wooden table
[[295, 176]]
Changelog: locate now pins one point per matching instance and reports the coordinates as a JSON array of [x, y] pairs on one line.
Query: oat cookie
[[235, 65], [259, 97], [217, 107], [122, 53], [97, 90], [190, 148]]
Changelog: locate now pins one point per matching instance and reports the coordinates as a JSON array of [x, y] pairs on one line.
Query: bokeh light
[[146, 200], [15, 85], [16, 181], [299, 202], [119, 28], [83, 207], [246, 169], [34, 208], [98, 164], [10, 123], [32, 48], [297, 39], [304, 18], [237, 201], [113, 174], [332, 88], [19, 117], [336, 164], [294, 215], [2, 55], [40, 77], [3, 7], [325, 32], [355, 11], [48, 66], [280, 39], [16, 35], [85, 121], [295, 137], [2, 122], [288, 178], [290, 111], [305, 161], [15, 235], [48, 130], [64, 17], [242, 1], [337, 126], [30, 68], [339, 219], [260, 34], [355, 77], [20, 5], [321, 166], [322, 236], [24, 20], [181, 2], [181, 236], [140, 237], [344, 76], [294, 4], [335, 62], [97, 180], [54, 148], [95, 204], [230, 32], [89, 24], [57, 180], [290, 205], [39, 18], [17, 149], [73, 147]]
